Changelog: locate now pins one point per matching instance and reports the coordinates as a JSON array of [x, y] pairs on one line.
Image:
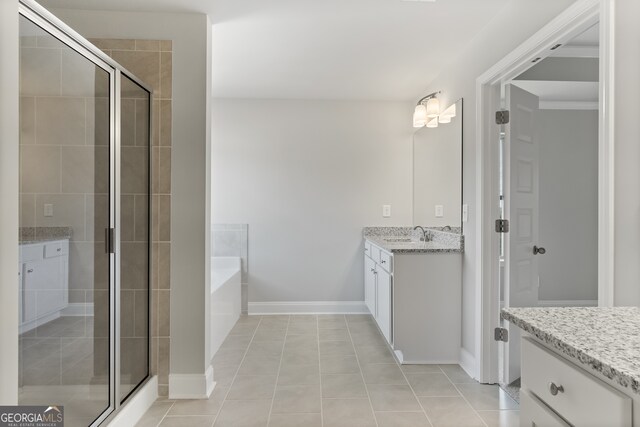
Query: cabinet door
[[384, 303], [370, 285], [44, 287], [534, 413]]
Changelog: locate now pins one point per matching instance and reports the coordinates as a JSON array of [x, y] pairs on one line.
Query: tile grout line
[[275, 387], [404, 375], [215, 419], [465, 399], [373, 412], [165, 414]]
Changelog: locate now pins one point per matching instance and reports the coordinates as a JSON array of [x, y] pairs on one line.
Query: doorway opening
[[547, 172], [549, 188]]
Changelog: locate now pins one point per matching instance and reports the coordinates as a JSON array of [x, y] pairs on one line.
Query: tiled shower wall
[[151, 62], [232, 240], [60, 142]]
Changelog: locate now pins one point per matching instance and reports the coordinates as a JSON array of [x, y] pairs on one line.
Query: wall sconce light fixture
[[427, 112]]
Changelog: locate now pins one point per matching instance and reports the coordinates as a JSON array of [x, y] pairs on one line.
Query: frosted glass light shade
[[448, 114], [433, 108], [419, 116], [433, 123]]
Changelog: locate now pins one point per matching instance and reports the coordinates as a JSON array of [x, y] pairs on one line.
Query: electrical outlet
[[465, 212], [439, 211], [48, 209], [386, 211]]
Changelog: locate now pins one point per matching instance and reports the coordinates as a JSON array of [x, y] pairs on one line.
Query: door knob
[[537, 250]]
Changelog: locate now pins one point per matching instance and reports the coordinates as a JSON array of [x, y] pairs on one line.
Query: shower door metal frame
[[41, 17]]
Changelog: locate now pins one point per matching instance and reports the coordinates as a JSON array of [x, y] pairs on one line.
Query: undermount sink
[[398, 240]]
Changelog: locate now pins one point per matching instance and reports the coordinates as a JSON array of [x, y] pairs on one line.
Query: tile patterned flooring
[[332, 371]]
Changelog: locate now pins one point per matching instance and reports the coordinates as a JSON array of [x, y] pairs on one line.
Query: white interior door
[[521, 190]]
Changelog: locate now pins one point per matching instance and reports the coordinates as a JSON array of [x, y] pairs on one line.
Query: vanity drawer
[[54, 249], [386, 261], [583, 395]]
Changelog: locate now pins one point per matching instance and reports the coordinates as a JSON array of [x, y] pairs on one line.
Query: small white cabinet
[[43, 281], [378, 284]]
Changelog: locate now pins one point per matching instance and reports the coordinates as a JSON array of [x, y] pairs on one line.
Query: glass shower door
[[66, 186], [135, 102]]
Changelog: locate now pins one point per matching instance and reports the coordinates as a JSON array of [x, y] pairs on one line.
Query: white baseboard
[[78, 309], [308, 307], [468, 363], [568, 303], [191, 386], [137, 405], [400, 357]]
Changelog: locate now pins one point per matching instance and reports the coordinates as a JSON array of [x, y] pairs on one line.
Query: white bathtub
[[225, 298]]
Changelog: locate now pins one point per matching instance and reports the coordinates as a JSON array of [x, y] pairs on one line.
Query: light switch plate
[[386, 211], [465, 213], [439, 211], [48, 210]]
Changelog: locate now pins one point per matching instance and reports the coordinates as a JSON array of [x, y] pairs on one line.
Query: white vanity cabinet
[[415, 298], [558, 393], [43, 282], [378, 284]]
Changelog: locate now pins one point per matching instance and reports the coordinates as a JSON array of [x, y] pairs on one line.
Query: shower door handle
[[108, 241]]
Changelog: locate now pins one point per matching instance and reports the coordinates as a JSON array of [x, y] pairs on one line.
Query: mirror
[[437, 174]]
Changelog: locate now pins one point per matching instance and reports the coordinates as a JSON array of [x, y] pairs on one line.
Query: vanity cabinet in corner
[[415, 298], [377, 287]]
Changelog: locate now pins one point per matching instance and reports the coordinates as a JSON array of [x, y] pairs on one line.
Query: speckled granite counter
[[43, 234], [441, 241], [604, 340]]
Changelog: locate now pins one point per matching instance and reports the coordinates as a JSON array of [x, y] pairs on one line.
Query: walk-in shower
[[84, 223]]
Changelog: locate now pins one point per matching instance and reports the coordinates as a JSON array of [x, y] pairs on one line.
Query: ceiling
[[326, 49]]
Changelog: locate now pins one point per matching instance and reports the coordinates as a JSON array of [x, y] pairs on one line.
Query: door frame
[[569, 23]]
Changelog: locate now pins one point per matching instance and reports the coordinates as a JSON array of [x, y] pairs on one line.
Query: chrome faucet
[[424, 237]]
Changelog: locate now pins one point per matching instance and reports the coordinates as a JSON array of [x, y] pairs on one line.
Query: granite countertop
[[441, 241], [604, 340], [43, 234], [412, 247]]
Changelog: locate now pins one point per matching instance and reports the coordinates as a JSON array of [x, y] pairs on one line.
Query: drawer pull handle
[[555, 389], [384, 261], [30, 270], [59, 250]]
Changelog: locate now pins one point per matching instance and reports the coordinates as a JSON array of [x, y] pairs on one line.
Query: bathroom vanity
[[43, 276], [413, 291], [580, 365]]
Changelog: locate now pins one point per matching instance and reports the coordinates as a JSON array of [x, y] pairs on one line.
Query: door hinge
[[501, 334], [109, 246], [502, 117], [502, 225]]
